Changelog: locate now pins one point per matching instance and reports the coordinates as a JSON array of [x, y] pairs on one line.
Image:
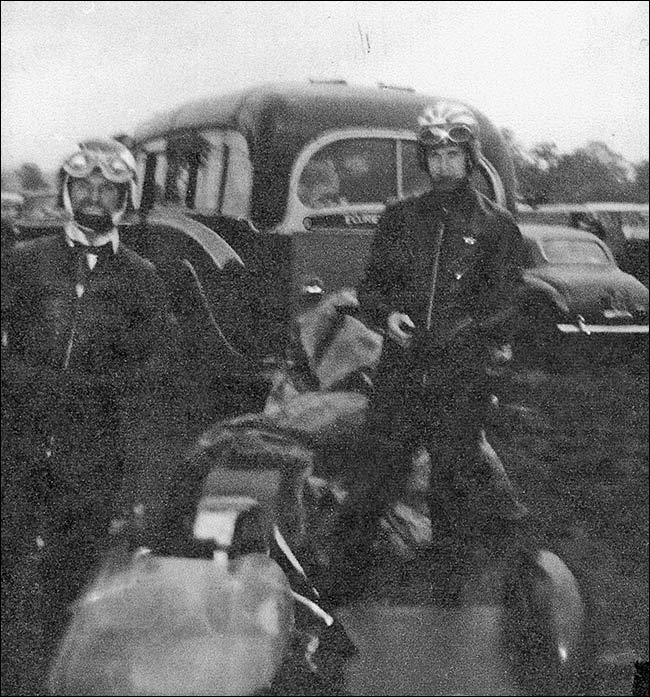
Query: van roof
[[338, 105], [279, 119]]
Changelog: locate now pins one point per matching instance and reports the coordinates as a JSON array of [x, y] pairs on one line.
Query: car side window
[[186, 153], [574, 252]]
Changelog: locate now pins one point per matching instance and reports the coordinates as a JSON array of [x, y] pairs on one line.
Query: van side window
[[176, 184], [350, 171], [155, 173], [153, 160], [160, 176], [208, 171], [224, 176], [186, 153]]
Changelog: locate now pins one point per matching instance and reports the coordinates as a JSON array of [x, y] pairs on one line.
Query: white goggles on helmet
[[435, 136], [119, 169]]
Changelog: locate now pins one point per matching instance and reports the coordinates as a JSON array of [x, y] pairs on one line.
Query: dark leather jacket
[[118, 329], [65, 356], [473, 279]]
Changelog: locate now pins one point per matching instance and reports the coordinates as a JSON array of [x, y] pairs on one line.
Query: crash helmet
[[113, 159], [444, 123]]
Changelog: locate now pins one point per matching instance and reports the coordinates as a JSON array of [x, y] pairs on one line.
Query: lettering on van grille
[[357, 221]]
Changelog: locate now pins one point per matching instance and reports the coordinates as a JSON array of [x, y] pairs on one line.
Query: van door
[[338, 191], [339, 188]]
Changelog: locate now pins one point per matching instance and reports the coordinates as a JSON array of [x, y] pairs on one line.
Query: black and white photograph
[[325, 348]]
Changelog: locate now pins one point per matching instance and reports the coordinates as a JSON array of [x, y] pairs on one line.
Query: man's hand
[[400, 328]]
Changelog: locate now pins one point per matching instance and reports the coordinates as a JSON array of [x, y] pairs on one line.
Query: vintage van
[[255, 202]]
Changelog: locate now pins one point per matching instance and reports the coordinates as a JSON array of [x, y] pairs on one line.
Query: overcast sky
[[567, 72]]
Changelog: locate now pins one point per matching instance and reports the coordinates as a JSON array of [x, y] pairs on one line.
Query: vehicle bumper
[[569, 328]]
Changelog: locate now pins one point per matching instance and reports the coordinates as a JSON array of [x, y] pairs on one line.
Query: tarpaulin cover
[[171, 626]]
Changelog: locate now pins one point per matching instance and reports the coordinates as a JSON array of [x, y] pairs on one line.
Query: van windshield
[[359, 170], [350, 171]]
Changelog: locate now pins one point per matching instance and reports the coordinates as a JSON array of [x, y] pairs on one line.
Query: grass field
[[575, 441]]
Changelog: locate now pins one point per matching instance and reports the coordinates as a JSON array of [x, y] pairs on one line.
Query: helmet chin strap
[[117, 216]]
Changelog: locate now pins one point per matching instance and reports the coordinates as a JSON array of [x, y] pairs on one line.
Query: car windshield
[[559, 251]]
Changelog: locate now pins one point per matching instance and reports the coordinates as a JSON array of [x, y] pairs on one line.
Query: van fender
[[191, 258], [215, 246]]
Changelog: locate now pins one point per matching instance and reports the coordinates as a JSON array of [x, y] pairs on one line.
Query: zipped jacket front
[[445, 263], [116, 329]]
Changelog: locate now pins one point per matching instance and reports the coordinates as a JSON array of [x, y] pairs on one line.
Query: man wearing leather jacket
[[441, 284], [86, 344]]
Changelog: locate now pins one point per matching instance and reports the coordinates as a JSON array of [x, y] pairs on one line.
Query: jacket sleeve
[[504, 282], [381, 291], [19, 298]]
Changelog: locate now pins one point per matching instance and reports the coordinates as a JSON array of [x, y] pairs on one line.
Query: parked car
[[622, 226], [575, 287], [258, 202], [625, 227]]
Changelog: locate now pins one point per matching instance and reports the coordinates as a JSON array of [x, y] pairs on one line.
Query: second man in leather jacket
[[441, 284]]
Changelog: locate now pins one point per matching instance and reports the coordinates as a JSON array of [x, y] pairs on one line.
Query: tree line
[[545, 175], [593, 172]]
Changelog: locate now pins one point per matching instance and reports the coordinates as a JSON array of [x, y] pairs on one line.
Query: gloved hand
[[400, 327]]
